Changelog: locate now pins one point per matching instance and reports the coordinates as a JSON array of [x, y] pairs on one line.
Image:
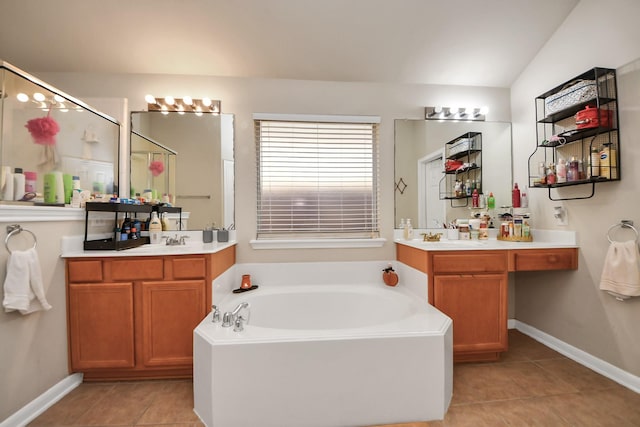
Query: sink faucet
[[175, 241], [231, 318]]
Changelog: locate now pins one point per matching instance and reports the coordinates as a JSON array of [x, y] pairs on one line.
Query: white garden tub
[[333, 354]]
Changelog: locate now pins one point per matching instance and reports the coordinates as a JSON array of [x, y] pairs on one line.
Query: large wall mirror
[[204, 163], [419, 149]]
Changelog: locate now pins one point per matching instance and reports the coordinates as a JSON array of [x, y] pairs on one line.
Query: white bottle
[[155, 229], [7, 181], [524, 201], [18, 184], [408, 230]]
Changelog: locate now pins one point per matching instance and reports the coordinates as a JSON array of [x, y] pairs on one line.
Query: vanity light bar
[[183, 105], [455, 113]]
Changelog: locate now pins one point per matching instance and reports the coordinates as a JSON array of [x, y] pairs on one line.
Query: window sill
[[317, 243]]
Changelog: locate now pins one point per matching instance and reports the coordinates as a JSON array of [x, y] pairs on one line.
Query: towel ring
[[16, 229], [623, 224]]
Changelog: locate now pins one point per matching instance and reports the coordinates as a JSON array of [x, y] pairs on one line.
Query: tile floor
[[531, 385]]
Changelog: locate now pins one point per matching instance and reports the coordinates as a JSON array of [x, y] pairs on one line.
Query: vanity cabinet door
[[101, 325], [477, 303], [168, 312]]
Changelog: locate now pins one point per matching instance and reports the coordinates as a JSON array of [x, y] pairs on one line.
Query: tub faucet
[[232, 317], [216, 314]]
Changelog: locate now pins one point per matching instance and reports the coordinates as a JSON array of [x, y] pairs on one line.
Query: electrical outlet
[[560, 214]]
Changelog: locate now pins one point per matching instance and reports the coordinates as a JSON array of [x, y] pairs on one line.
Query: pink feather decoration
[[156, 167], [43, 130]]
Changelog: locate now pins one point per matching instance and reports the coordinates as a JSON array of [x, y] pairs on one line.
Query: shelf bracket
[[593, 191]]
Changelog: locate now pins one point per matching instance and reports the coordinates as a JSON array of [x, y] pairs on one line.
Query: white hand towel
[[621, 271], [23, 286]]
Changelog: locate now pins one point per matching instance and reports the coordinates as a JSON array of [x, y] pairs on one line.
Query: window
[[317, 176]]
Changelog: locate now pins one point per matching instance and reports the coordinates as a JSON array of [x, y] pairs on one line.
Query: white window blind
[[317, 178]]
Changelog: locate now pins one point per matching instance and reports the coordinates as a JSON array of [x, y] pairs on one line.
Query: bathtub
[[316, 353]]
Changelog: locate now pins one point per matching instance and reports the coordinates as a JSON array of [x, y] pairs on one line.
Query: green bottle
[[491, 201]]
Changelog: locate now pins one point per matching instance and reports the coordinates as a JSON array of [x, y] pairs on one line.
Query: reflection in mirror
[[204, 179], [153, 169], [419, 150]]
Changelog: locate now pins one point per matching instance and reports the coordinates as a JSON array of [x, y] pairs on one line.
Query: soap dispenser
[[155, 229]]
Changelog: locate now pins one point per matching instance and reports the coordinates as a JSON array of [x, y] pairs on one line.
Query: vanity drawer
[[544, 259], [469, 262], [84, 271], [143, 268], [190, 267]]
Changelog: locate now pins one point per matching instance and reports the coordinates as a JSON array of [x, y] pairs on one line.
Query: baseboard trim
[[606, 369], [511, 324], [37, 406]]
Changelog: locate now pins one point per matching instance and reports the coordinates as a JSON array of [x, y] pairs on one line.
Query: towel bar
[[16, 229], [625, 223]]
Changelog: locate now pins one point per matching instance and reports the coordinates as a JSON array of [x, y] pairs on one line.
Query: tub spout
[[229, 318], [238, 308]]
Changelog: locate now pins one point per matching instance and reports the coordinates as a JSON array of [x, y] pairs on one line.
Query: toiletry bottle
[[524, 200], [401, 225], [515, 196], [467, 187], [75, 182], [594, 163], [165, 222], [408, 230], [491, 202], [551, 174], [155, 229], [572, 172], [561, 171], [475, 198], [613, 162], [7, 179], [18, 184], [30, 181]]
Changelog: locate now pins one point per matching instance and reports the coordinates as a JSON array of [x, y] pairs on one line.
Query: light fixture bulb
[[453, 110], [169, 100], [150, 99], [484, 110], [437, 109], [206, 102], [187, 100], [22, 97], [39, 97], [58, 98], [164, 110]]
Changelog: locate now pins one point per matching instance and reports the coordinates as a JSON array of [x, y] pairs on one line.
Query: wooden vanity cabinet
[[470, 286], [133, 317]]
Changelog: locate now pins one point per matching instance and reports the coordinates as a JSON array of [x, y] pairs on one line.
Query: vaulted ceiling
[[463, 42]]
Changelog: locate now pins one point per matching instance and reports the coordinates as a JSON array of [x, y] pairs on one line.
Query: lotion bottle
[[18, 184], [155, 229]]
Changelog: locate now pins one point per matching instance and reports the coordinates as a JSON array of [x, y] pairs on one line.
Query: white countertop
[[542, 239], [72, 247]]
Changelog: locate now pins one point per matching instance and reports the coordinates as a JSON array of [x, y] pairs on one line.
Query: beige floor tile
[[174, 403], [528, 412], [578, 376], [585, 410], [535, 380], [124, 404], [473, 415], [72, 406], [484, 383]]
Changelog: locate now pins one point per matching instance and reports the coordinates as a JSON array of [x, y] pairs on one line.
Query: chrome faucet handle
[[216, 314], [237, 326], [182, 241], [227, 319]]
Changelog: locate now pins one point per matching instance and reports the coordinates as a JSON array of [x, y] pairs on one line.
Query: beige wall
[[33, 347], [569, 306]]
